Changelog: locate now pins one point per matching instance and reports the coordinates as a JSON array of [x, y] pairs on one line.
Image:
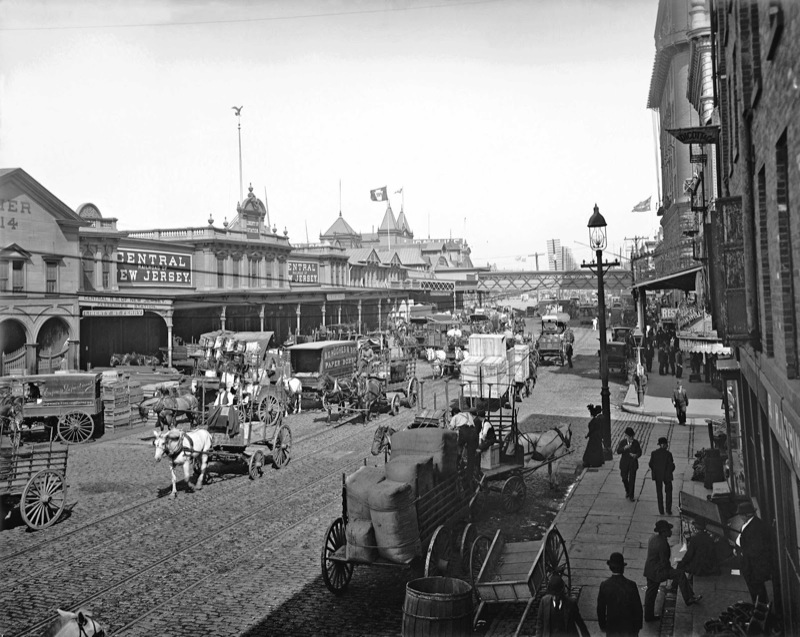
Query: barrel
[[439, 606]]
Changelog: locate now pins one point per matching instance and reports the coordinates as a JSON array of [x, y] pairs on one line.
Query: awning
[[703, 345], [684, 280]]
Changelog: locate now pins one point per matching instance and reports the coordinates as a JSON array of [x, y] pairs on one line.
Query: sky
[[503, 121]]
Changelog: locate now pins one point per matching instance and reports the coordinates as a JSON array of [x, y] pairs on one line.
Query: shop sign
[[114, 312], [784, 431], [338, 296], [125, 302], [303, 272], [669, 313], [153, 268]]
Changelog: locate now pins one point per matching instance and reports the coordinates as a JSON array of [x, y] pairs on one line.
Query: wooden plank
[[495, 554]]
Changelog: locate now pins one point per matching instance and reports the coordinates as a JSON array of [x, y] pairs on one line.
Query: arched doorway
[[53, 344], [102, 336], [12, 346]]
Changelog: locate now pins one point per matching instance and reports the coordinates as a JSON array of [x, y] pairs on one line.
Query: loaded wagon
[[32, 477], [487, 372], [551, 343], [412, 511], [322, 362], [69, 405]]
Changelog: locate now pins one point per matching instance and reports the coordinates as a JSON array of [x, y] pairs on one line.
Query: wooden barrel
[[439, 606]]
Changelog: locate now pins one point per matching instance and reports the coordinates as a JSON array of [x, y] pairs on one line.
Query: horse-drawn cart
[[33, 477], [71, 405], [516, 572], [251, 443]]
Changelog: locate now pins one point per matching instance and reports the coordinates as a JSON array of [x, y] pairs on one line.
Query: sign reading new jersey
[[303, 272], [153, 267]]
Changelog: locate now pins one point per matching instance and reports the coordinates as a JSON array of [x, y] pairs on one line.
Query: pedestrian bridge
[[503, 283]]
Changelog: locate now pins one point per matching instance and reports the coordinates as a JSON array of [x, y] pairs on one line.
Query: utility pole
[[238, 110], [536, 255], [635, 240]]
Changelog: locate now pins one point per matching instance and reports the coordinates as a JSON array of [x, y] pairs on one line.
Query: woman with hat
[[593, 455], [558, 613], [662, 465], [657, 569], [631, 451], [619, 607]]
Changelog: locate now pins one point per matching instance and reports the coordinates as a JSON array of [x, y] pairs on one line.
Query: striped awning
[[703, 345]]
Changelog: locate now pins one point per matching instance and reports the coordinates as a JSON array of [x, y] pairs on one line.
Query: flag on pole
[[398, 192], [642, 206], [379, 194]]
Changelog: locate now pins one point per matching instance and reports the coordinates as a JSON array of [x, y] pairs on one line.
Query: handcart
[[516, 572]]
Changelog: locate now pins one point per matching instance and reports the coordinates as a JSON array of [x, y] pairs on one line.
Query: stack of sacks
[[361, 544], [416, 470], [440, 444], [394, 517]]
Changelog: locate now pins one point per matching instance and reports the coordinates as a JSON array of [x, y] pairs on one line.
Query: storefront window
[[732, 413]]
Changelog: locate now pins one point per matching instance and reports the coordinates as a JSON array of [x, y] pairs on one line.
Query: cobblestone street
[[240, 556]]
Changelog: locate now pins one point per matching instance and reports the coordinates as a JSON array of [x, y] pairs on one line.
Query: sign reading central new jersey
[[303, 272], [153, 267]]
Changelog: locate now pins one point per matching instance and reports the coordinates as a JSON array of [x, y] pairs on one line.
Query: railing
[[48, 363], [195, 234], [663, 261], [13, 363]]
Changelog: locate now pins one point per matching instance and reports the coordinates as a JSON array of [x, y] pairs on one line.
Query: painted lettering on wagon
[[153, 267]]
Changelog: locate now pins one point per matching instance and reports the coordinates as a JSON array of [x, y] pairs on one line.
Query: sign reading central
[[303, 272], [153, 267]]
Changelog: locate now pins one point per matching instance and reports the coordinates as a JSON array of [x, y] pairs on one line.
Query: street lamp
[[597, 241]]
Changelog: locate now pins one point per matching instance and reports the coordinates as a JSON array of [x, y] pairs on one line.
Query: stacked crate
[[116, 404], [135, 398]]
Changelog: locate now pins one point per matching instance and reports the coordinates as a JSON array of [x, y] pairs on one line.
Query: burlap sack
[[394, 517], [358, 486], [440, 444], [361, 545], [416, 470]]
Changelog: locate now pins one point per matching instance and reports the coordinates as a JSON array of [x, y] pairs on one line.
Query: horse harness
[[565, 440], [180, 447]]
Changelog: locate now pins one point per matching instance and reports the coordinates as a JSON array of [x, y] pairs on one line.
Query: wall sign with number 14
[[11, 223]]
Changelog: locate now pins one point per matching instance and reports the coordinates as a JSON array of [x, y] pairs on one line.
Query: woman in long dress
[[593, 455]]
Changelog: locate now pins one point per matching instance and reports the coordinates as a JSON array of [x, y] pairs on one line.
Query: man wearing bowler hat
[[619, 607], [630, 451], [657, 569], [755, 544], [662, 465]]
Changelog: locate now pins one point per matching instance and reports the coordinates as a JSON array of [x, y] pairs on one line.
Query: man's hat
[[481, 413], [473, 411], [629, 431], [699, 523], [662, 525], [663, 441], [616, 561], [556, 585], [746, 508]]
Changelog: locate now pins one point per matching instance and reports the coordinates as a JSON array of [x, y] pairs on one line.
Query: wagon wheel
[[43, 499], [477, 556], [282, 447], [255, 467], [335, 574], [269, 410], [75, 427], [394, 407], [556, 560], [513, 494], [437, 561], [468, 537], [413, 392]]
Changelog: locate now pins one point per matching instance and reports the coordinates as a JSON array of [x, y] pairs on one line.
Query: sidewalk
[[596, 519]]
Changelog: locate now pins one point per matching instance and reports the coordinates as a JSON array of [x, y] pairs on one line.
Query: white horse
[[437, 358], [543, 445], [184, 448], [78, 624], [294, 393]]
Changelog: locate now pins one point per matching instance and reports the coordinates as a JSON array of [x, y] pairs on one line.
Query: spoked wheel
[[335, 574], [477, 556], [556, 560], [255, 467], [437, 562], [281, 450], [75, 427], [394, 407], [269, 410], [413, 392], [43, 499], [468, 537], [513, 494]]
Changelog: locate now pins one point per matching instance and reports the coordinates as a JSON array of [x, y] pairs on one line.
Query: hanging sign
[[153, 268], [114, 312], [303, 272]]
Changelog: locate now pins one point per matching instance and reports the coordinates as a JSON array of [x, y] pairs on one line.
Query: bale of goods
[[416, 470], [358, 486], [361, 544], [394, 517], [440, 444]]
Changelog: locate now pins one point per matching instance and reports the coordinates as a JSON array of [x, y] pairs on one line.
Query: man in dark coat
[[661, 466], [681, 401], [701, 553], [558, 613], [630, 451], [755, 545], [619, 607], [657, 569]]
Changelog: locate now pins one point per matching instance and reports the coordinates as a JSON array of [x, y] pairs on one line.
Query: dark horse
[[169, 406], [11, 417], [339, 393], [370, 392]]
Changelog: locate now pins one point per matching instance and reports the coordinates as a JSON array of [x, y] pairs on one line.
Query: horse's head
[[79, 624], [565, 431]]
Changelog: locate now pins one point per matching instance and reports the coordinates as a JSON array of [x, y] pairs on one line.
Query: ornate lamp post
[[597, 240]]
